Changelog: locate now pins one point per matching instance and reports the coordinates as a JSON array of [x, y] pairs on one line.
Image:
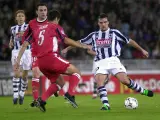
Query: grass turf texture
[[89, 109]]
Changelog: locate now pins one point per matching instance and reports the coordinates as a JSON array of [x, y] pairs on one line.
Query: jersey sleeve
[[87, 40], [121, 37], [27, 36], [60, 33]]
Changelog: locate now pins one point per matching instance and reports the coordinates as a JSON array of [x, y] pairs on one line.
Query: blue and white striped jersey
[[106, 43], [16, 36]]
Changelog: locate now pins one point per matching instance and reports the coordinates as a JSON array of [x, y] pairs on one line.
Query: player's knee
[[36, 73], [34, 88], [100, 81], [16, 74]]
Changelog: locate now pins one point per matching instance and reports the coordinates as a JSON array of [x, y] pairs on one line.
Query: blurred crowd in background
[[137, 19]]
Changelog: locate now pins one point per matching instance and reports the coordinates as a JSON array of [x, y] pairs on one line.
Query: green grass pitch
[[89, 109]]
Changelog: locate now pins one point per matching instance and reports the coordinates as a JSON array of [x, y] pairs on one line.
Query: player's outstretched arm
[[64, 51], [23, 48], [91, 52], [135, 45], [73, 43]]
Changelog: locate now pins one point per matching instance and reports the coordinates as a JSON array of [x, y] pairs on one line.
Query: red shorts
[[34, 62], [52, 66]]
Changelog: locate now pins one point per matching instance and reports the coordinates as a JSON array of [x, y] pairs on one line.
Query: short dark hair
[[102, 15], [41, 4], [53, 14]]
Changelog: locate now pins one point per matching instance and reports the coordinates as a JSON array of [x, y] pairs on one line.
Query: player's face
[[103, 24], [20, 18], [42, 12]]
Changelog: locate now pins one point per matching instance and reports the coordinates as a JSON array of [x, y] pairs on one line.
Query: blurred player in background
[[107, 44], [19, 81], [50, 63]]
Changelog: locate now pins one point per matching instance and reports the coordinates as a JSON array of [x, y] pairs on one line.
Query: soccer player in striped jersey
[[15, 44], [107, 44]]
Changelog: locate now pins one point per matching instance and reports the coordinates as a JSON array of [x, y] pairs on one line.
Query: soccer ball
[[131, 103]]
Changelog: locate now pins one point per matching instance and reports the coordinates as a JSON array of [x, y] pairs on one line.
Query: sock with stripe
[[134, 86], [103, 96], [24, 84], [16, 83]]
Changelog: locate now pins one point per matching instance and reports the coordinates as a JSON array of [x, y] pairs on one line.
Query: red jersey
[[46, 39], [61, 31], [32, 28]]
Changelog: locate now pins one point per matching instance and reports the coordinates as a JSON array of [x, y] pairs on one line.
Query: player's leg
[[64, 67], [35, 82], [94, 95], [60, 83], [26, 66], [53, 88], [16, 84], [74, 80], [24, 83], [101, 76], [121, 75], [70, 94], [16, 78]]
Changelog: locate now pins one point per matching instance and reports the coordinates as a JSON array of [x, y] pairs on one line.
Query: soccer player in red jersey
[[45, 40], [73, 81], [41, 19], [41, 11]]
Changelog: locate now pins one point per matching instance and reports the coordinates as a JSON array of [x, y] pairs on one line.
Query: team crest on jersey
[[104, 42]]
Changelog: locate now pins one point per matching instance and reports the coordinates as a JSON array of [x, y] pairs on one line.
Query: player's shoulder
[[53, 24], [114, 31], [59, 26], [93, 33], [32, 21], [13, 27]]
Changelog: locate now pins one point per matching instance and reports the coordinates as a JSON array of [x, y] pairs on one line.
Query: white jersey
[[106, 43], [25, 62], [15, 35]]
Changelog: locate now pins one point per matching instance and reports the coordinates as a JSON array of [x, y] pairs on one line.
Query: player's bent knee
[[16, 74]]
